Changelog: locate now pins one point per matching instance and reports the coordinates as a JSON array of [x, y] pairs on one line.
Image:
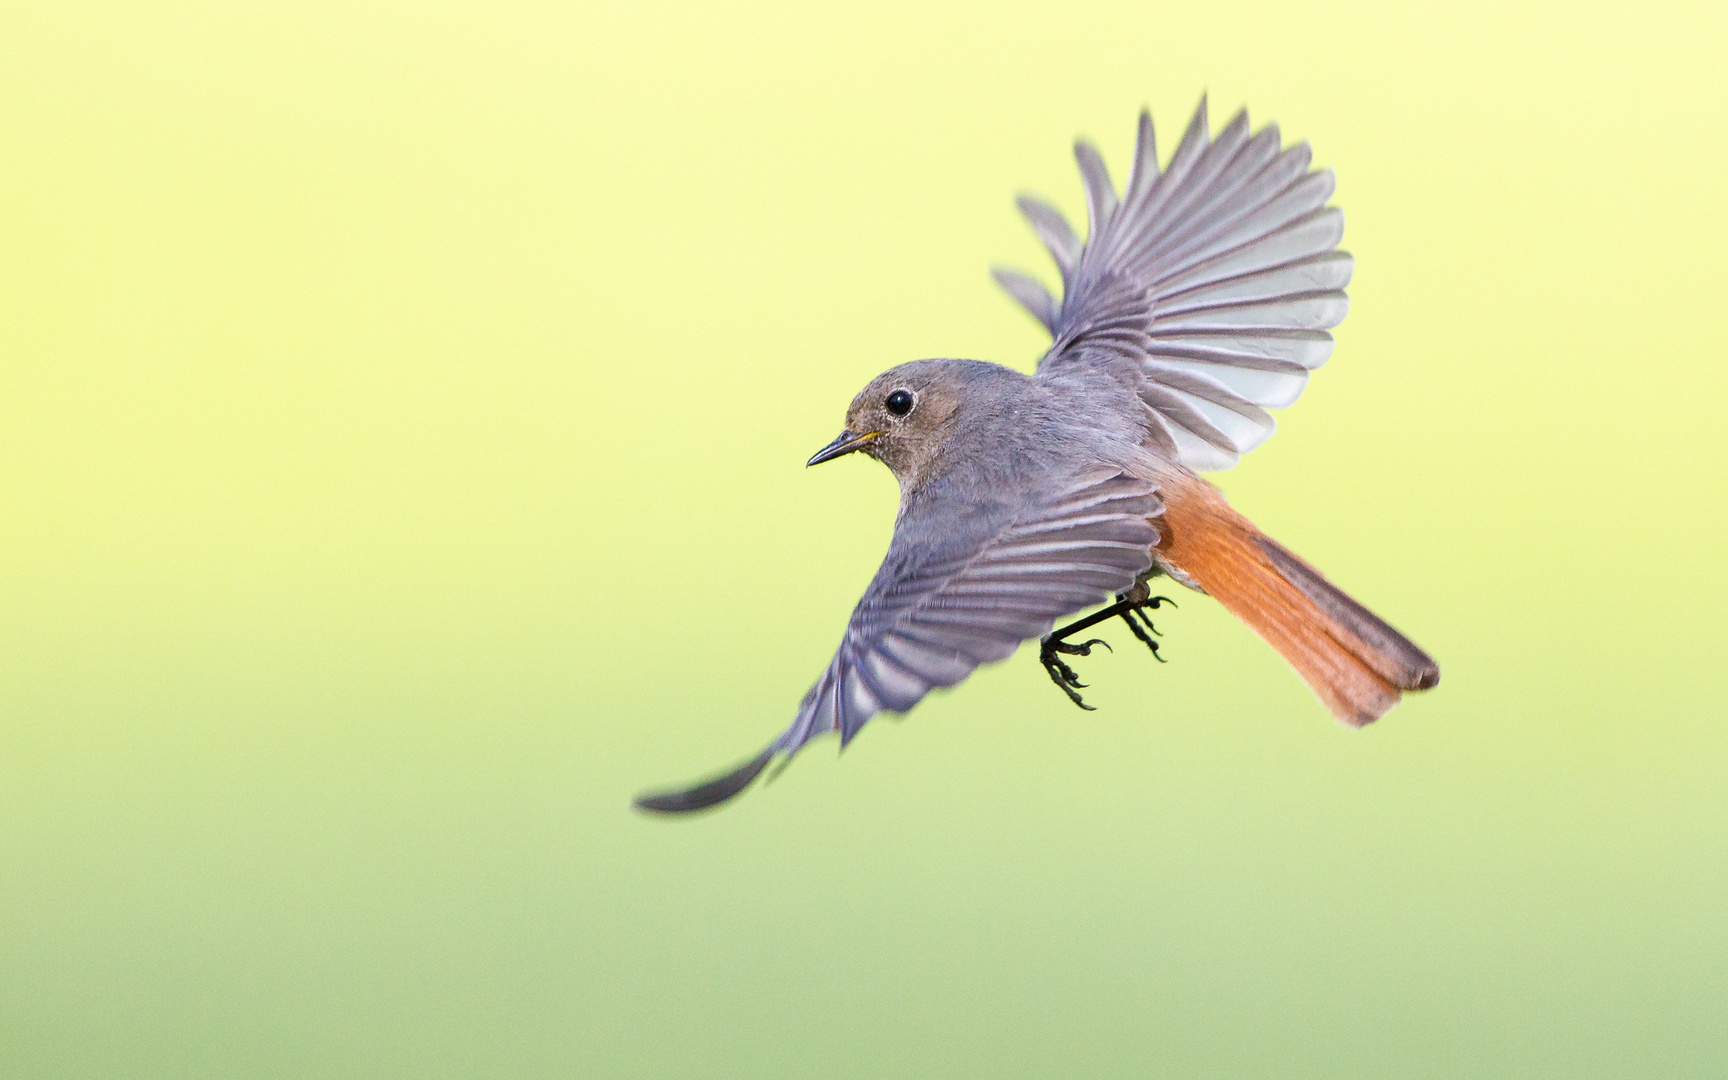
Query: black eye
[[899, 402]]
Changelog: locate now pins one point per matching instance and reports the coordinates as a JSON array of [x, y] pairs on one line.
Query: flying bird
[[1201, 298]]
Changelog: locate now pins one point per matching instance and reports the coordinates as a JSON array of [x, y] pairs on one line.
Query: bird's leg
[[1129, 605], [1139, 602]]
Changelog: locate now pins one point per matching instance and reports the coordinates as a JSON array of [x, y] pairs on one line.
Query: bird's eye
[[899, 403]]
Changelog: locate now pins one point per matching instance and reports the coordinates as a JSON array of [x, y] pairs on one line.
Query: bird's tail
[[1354, 662]]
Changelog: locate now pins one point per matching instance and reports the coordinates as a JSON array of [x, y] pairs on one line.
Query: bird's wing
[[1212, 283], [967, 593]]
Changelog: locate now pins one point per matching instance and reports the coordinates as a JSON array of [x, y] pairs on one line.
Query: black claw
[[1082, 649], [1067, 675], [1132, 607], [1141, 623], [1061, 674], [1141, 633]]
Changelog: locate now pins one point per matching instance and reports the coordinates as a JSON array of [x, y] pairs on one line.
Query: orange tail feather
[[1355, 663]]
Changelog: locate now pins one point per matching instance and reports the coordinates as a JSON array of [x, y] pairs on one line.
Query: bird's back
[[1016, 434]]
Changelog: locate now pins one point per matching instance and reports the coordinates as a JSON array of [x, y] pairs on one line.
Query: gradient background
[[401, 464]]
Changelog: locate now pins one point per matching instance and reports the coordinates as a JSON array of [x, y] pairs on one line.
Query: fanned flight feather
[[1217, 278], [937, 611]]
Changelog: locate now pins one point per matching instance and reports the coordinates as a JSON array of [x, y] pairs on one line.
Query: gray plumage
[[1027, 514], [1200, 299], [1214, 281]]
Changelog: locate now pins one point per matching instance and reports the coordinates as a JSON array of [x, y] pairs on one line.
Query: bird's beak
[[844, 443]]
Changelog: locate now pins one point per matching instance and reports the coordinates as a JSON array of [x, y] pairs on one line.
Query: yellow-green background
[[402, 427]]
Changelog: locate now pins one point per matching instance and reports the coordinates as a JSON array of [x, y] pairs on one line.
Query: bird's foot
[[1060, 673], [1134, 611], [1132, 606]]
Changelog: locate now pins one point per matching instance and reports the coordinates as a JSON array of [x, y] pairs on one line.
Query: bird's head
[[902, 418]]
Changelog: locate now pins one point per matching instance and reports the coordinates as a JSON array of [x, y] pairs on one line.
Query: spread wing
[[949, 599], [1213, 283]]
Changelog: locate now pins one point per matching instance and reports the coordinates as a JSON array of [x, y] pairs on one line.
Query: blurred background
[[402, 429]]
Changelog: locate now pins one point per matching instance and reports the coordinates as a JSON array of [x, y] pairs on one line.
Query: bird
[[1202, 296]]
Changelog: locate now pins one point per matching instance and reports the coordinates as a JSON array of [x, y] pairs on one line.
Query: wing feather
[[1033, 296], [1217, 279], [1054, 230], [1100, 193], [941, 606], [1145, 171], [1312, 235], [977, 604], [1318, 273]]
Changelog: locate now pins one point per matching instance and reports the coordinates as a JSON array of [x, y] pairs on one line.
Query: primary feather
[[1216, 279]]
